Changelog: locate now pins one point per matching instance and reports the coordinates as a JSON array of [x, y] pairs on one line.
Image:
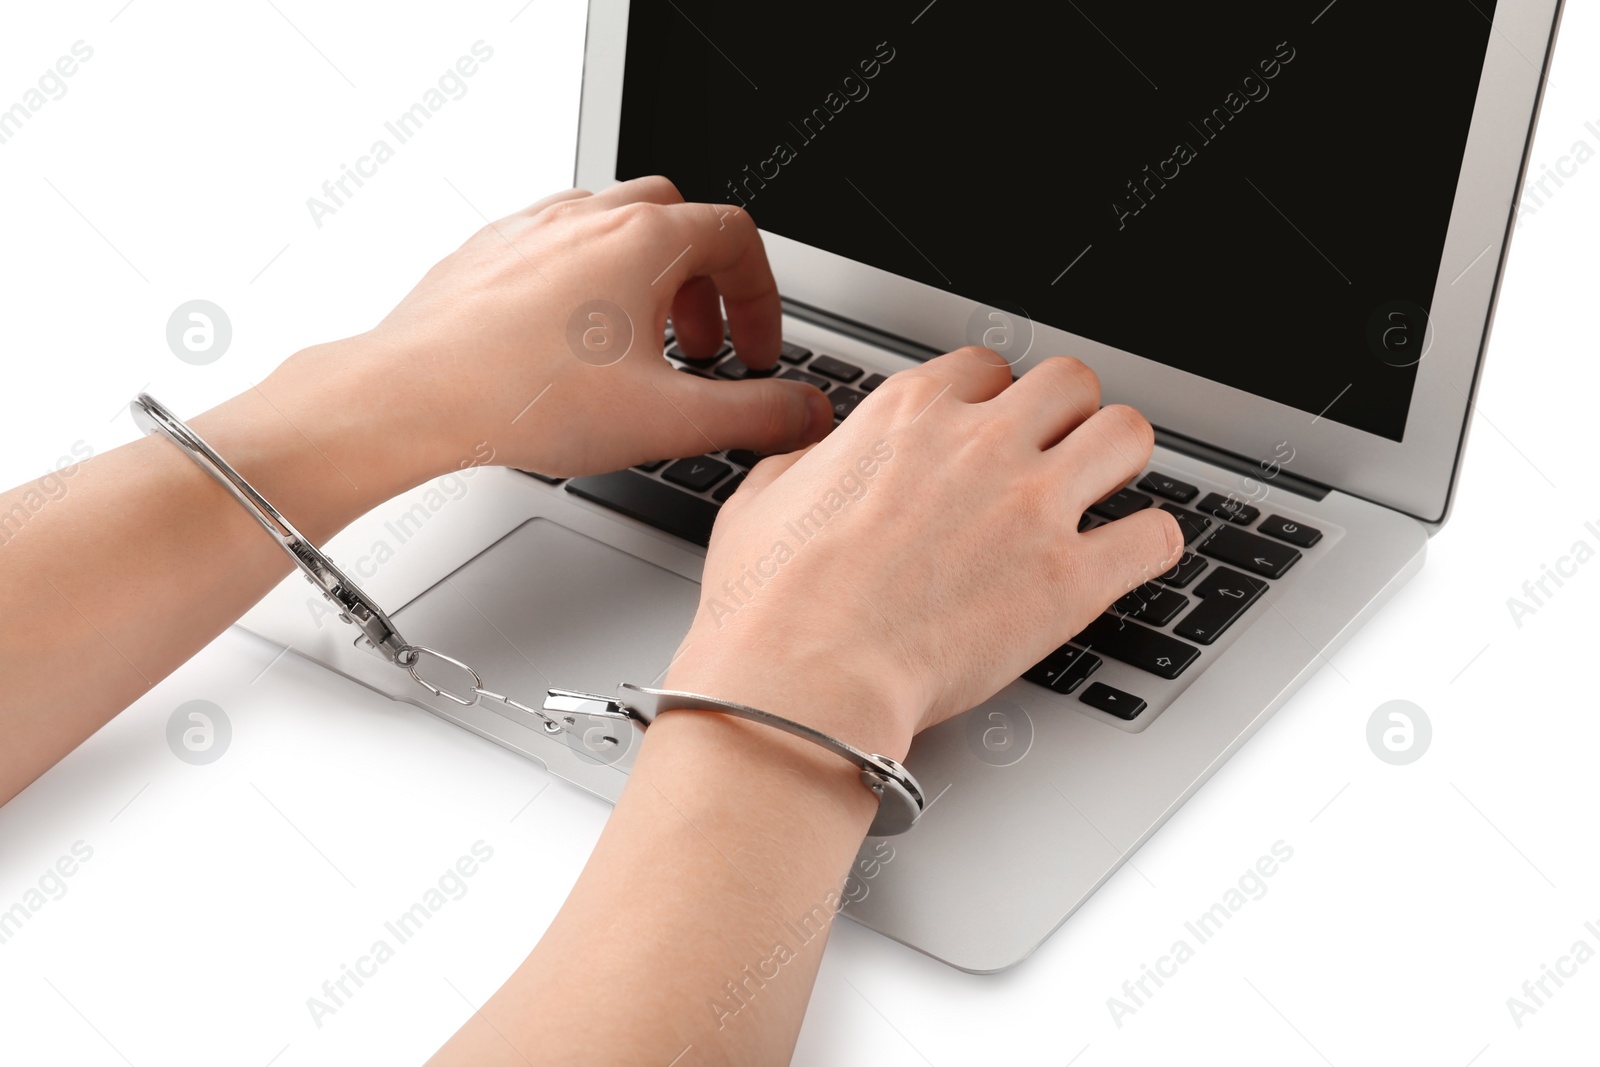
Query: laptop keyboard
[[682, 497], [1160, 628]]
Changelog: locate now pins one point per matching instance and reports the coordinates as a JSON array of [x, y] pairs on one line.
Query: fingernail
[[819, 419]]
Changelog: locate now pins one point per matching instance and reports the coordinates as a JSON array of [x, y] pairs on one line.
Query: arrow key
[[1113, 701], [698, 473], [1064, 669]]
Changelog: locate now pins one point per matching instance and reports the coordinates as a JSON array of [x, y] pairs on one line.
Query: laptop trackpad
[[545, 606]]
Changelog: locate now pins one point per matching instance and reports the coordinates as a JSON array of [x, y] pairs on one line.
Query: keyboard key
[[1171, 488], [706, 363], [809, 379], [667, 509], [1122, 502], [793, 353], [1184, 571], [1225, 595], [1248, 552], [1229, 508], [1292, 532], [1230, 585], [736, 371], [871, 382], [725, 490], [699, 473], [1064, 669], [1151, 603], [1191, 524], [698, 373], [1122, 705], [545, 478], [845, 400], [653, 465], [742, 457], [836, 368], [1138, 646]]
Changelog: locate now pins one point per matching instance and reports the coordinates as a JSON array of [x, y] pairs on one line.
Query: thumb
[[768, 415]]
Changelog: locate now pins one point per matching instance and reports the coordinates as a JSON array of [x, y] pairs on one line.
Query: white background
[[219, 898]]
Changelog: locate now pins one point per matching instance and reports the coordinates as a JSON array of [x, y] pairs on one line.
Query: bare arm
[[947, 560], [948, 563], [143, 559]]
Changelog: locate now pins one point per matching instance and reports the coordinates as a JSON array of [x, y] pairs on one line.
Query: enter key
[[1224, 596]]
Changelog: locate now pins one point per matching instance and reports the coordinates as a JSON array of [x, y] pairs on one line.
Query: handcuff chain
[[901, 800]]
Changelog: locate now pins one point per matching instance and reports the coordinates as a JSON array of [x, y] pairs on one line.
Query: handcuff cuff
[[564, 714]]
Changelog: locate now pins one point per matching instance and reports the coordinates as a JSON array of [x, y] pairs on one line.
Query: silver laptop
[[1277, 231]]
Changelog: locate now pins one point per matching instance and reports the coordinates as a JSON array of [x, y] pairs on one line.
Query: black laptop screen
[[1255, 192]]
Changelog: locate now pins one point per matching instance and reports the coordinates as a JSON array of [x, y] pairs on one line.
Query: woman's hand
[[542, 337], [925, 554]]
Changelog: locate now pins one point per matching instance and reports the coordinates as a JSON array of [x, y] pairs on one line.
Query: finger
[[697, 318], [1052, 399], [722, 243], [771, 468], [766, 416], [1125, 554], [556, 198], [970, 375], [653, 189], [1102, 454]]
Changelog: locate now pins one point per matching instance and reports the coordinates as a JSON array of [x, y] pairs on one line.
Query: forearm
[[701, 915], [141, 559]]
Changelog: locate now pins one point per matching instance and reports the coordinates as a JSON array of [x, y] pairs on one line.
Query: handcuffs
[[564, 714]]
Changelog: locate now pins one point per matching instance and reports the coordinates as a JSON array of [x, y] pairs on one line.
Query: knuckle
[[563, 211], [640, 217], [1071, 372], [985, 357], [661, 185], [1132, 430]]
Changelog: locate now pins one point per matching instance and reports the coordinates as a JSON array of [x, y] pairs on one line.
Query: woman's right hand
[[926, 553]]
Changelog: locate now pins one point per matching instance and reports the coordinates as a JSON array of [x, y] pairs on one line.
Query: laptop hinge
[[859, 330], [1268, 470]]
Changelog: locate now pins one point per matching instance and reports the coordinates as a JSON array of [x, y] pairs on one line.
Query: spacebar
[[650, 501]]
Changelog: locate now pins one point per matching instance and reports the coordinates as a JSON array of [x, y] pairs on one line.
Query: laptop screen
[[1256, 192]]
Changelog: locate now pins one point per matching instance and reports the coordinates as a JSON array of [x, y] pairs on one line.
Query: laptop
[[1277, 230]]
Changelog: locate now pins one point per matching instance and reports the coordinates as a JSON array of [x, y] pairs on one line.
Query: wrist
[[379, 431], [324, 439], [862, 709], [733, 758]]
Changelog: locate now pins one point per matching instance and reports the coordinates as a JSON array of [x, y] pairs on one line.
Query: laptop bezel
[[1415, 476]]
